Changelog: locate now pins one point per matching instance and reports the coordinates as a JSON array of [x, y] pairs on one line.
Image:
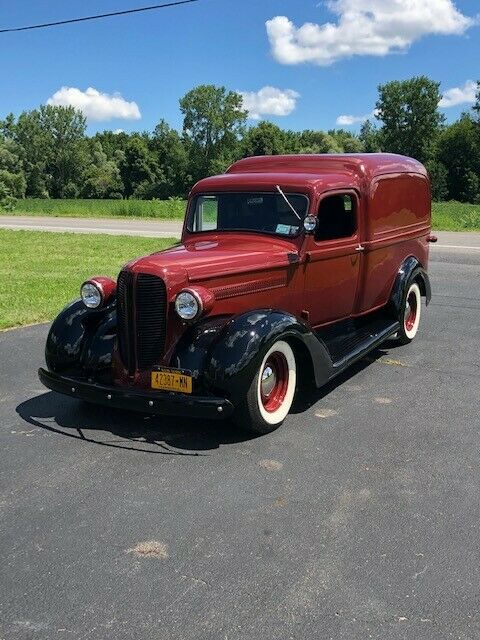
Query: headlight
[[187, 305], [91, 295]]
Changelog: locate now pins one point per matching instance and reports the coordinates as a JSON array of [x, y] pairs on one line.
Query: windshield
[[259, 212]]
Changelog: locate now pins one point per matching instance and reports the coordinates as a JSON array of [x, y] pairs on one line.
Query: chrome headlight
[[188, 305], [91, 295]]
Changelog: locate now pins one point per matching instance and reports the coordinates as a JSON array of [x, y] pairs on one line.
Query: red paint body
[[324, 281]]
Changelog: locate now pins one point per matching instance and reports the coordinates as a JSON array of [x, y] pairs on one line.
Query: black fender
[[81, 339], [226, 353], [192, 349], [410, 270]]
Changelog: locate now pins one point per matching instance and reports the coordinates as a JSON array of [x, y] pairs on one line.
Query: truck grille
[[141, 315]]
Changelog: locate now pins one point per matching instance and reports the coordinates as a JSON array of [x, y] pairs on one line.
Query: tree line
[[45, 153]]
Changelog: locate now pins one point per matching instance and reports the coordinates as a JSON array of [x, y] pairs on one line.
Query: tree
[[411, 120], [265, 139], [459, 152], [12, 178], [111, 142], [101, 178], [171, 157], [346, 140], [65, 128], [213, 123], [439, 180], [51, 145], [369, 137], [476, 106], [138, 169], [317, 142]]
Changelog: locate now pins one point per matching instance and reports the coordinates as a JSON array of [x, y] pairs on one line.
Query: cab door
[[334, 259]]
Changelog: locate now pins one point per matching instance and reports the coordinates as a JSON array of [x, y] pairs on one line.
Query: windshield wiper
[[288, 202]]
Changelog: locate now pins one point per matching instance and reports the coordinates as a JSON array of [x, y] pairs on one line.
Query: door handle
[[360, 248]]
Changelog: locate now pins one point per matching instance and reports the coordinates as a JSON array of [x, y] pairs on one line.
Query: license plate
[[171, 380]]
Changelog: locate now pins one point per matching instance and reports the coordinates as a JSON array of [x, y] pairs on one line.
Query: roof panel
[[366, 164]]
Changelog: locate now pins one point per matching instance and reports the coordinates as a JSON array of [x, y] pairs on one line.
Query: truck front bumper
[[172, 404]]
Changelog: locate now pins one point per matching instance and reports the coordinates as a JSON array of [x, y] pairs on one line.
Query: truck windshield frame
[[261, 212]]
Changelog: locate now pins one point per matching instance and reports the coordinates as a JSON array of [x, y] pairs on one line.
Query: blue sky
[[153, 59]]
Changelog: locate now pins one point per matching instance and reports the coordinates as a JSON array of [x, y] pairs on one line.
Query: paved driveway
[[358, 519]]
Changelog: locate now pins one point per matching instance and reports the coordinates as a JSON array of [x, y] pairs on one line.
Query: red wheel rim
[[411, 311], [274, 382]]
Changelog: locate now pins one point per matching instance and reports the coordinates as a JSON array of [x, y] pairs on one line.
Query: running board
[[351, 340]]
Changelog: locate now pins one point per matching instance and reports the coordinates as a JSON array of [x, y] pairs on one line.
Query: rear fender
[[410, 270]]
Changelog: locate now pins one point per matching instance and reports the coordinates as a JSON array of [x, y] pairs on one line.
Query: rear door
[[334, 259]]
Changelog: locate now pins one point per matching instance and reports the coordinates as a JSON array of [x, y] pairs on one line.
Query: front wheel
[[271, 393], [410, 314]]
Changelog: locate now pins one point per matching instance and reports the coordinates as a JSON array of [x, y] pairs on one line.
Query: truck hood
[[218, 256]]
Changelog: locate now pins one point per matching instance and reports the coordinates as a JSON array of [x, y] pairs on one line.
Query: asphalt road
[[111, 226], [172, 229], [358, 519]]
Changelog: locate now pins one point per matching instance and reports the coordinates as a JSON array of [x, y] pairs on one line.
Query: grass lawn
[[456, 216], [447, 216], [41, 272], [161, 209]]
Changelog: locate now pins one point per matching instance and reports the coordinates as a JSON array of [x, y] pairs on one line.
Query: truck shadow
[[132, 431], [143, 433]]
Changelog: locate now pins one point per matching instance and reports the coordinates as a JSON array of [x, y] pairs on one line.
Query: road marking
[[456, 246]]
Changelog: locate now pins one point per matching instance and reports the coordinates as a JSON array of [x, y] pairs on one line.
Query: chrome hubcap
[[269, 380]]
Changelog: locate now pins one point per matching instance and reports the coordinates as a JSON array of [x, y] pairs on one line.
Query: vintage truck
[[290, 268]]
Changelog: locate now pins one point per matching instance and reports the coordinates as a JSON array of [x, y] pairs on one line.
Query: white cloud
[[269, 102], [349, 121], [364, 27], [459, 95], [95, 105]]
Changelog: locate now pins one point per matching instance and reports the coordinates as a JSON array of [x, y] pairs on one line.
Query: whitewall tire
[[271, 393], [410, 314]]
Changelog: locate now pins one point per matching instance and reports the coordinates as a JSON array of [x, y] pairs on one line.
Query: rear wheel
[[271, 393], [410, 314]]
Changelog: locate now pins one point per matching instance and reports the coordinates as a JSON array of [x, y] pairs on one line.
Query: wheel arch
[[410, 270], [226, 356], [81, 338], [304, 359]]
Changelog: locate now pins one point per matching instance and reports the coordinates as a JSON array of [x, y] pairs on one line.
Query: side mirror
[[310, 224]]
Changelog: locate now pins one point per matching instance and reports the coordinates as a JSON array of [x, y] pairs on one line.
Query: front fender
[[235, 352], [78, 337], [411, 269]]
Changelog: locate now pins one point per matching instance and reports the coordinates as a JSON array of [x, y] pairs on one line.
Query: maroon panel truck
[[290, 269]]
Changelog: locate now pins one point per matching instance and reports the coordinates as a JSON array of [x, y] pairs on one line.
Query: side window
[[206, 213], [337, 217]]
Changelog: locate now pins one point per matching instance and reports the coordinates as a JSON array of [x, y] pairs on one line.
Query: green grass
[[447, 216], [456, 216], [161, 209], [41, 272]]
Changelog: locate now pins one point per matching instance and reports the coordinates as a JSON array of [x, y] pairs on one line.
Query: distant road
[[450, 240], [111, 226]]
